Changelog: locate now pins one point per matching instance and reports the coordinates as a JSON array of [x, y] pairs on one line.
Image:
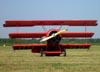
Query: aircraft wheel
[[64, 52], [41, 52]]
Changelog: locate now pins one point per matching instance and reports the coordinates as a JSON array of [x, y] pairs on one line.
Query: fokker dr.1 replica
[[52, 46]]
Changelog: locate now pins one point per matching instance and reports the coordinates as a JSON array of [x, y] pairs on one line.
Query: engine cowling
[[55, 39]]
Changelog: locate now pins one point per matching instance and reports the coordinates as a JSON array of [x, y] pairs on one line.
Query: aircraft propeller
[[53, 35]]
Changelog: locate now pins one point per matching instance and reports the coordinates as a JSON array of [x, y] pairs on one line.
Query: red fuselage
[[53, 43]]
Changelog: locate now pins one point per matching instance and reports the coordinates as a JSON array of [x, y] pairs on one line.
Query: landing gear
[[64, 52], [41, 52]]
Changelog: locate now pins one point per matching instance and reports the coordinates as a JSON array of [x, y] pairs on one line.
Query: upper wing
[[25, 23]]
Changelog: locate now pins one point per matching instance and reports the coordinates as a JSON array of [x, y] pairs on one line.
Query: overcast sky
[[49, 9]]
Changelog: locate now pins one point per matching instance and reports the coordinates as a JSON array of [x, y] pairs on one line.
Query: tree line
[[8, 41]]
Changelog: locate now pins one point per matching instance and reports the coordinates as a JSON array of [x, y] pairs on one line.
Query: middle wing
[[41, 34], [27, 35]]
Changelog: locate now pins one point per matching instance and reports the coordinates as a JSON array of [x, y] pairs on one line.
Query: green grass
[[80, 60]]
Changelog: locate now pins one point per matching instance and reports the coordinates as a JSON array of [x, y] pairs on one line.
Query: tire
[[41, 52], [64, 52]]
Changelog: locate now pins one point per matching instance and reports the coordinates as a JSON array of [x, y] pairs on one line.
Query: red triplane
[[53, 47]]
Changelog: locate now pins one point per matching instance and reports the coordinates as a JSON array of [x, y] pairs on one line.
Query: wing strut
[[43, 28], [60, 27]]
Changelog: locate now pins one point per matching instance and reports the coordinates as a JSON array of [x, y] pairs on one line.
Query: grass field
[[81, 60]]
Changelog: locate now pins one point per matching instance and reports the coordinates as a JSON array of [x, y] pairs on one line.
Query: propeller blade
[[47, 38], [59, 32], [53, 35]]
